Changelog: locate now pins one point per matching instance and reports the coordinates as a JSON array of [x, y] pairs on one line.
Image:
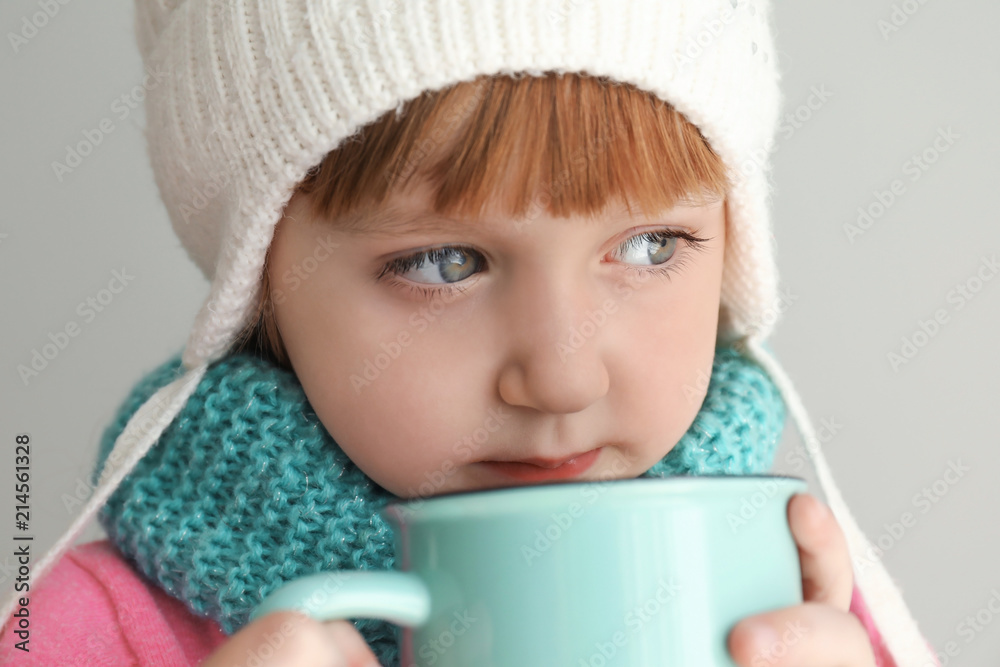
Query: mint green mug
[[641, 572]]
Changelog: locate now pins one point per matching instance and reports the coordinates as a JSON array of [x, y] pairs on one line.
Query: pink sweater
[[94, 610]]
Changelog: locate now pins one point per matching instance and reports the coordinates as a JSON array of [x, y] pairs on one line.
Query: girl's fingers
[[285, 638], [810, 634], [351, 644], [827, 573]]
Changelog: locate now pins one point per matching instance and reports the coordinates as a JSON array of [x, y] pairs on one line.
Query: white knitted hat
[[254, 94]]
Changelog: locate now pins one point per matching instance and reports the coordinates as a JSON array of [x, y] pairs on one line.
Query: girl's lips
[[532, 473]]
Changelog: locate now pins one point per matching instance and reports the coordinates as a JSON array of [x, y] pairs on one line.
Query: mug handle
[[398, 597]]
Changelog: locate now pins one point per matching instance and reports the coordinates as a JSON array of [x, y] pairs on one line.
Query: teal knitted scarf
[[245, 489]]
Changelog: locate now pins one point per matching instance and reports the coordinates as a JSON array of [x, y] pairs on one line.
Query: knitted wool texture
[[246, 489]]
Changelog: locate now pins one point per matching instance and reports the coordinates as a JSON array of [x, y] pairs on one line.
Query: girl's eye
[[651, 248], [453, 264], [659, 249]]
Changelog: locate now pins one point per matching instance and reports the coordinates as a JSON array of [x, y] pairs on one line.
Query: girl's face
[[432, 348]]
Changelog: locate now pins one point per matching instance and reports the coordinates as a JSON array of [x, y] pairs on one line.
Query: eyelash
[[401, 265]]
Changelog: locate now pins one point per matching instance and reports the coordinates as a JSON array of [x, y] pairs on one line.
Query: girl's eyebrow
[[391, 221]]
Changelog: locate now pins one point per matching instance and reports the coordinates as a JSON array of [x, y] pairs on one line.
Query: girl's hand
[[821, 632], [292, 639]]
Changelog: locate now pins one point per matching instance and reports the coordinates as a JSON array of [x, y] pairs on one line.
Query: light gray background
[[851, 303]]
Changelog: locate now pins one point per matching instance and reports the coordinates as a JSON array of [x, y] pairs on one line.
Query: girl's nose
[[555, 354]]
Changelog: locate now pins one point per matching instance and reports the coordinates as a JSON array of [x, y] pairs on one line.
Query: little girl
[[453, 246]]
